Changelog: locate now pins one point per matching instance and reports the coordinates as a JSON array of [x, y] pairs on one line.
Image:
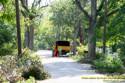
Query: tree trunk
[[74, 44], [81, 33], [31, 37], [75, 35], [104, 39], [91, 41], [105, 27], [18, 28], [91, 32], [27, 37], [29, 32]]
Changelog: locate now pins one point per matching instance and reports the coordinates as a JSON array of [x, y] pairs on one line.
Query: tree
[[18, 28], [105, 25], [95, 19], [65, 17], [92, 26], [31, 14], [7, 28], [108, 9]]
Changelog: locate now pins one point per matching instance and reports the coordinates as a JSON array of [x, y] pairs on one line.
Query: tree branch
[[24, 13], [37, 3], [82, 9], [24, 5], [113, 12], [33, 4], [116, 10], [100, 6], [44, 6]]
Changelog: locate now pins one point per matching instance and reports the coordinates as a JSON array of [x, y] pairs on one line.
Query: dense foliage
[[32, 66], [6, 39], [109, 63]]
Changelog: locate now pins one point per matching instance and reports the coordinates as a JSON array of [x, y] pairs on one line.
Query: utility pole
[[18, 28]]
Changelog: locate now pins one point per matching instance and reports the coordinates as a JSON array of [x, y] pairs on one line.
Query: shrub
[[80, 50], [13, 69], [6, 39], [9, 70], [30, 80], [121, 53], [109, 64], [31, 66], [99, 55], [79, 57], [36, 72], [121, 49], [6, 49]]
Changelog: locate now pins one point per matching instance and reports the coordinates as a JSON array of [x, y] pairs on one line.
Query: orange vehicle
[[61, 48]]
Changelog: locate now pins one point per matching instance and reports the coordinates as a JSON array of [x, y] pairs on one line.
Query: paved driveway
[[66, 70]]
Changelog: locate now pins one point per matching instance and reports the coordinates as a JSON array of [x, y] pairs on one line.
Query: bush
[[36, 72], [30, 80], [109, 63], [6, 49], [121, 53], [121, 49], [31, 66], [79, 57], [80, 50], [99, 55], [9, 70], [6, 39], [13, 69]]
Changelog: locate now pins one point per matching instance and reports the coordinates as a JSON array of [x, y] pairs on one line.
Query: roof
[[63, 43]]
